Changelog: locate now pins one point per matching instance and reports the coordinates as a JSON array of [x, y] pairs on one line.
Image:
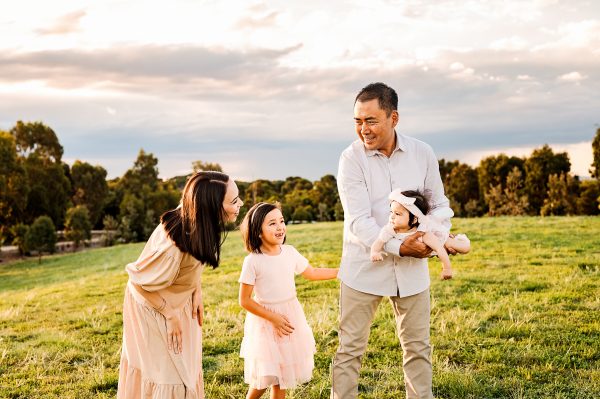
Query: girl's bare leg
[[277, 393], [254, 393], [460, 246]]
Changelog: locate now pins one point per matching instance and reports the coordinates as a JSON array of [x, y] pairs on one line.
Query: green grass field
[[521, 318]]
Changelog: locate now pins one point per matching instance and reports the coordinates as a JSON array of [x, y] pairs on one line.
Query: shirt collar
[[400, 146]]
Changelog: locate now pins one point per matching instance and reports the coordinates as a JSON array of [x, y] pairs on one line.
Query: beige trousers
[[357, 310]]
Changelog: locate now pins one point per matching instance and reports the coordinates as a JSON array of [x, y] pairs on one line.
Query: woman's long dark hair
[[197, 226]]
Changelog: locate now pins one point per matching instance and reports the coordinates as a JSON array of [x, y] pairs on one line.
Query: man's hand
[[414, 246]]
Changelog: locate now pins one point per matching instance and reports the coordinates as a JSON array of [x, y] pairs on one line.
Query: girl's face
[[232, 202], [399, 216], [273, 229]]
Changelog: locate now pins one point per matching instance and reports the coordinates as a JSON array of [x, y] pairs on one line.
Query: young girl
[[409, 212], [278, 344]]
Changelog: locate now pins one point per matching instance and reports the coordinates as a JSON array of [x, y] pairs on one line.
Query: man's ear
[[395, 118]]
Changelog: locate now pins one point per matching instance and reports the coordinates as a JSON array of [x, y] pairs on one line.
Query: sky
[[266, 89]]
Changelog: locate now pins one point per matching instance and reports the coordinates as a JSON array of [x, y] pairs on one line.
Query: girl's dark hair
[[251, 226], [197, 226], [421, 202]]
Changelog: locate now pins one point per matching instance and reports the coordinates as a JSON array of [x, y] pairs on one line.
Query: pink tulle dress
[[269, 359]]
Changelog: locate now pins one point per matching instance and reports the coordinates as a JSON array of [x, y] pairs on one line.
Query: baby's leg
[[460, 243], [254, 393], [434, 243], [277, 393]]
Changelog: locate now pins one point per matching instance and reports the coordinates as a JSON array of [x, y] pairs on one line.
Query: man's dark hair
[[421, 202], [385, 95]]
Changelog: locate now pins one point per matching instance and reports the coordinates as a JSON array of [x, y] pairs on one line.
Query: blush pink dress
[[269, 359], [148, 369]]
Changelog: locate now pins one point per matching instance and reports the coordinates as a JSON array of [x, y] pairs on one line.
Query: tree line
[[39, 193]]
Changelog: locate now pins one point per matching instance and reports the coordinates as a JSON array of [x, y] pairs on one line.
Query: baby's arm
[[319, 273], [281, 323], [377, 250], [434, 243]]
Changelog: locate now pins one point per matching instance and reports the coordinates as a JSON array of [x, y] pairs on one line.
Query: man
[[369, 169]]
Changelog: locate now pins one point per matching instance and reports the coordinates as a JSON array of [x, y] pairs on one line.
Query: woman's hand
[[174, 341], [197, 306], [281, 324]]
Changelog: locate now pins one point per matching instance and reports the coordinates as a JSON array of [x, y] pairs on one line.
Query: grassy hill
[[521, 318]]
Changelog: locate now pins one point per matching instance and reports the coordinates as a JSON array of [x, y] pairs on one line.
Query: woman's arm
[[156, 301], [320, 273], [281, 323]]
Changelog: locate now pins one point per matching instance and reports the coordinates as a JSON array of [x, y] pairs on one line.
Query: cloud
[[572, 77], [257, 22], [66, 24]]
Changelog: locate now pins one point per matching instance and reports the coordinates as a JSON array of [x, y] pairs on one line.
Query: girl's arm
[[159, 304], [281, 323], [320, 273]]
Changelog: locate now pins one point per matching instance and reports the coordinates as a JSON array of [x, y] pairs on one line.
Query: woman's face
[[232, 202]]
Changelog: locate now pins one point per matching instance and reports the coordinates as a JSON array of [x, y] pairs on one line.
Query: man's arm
[[355, 200]]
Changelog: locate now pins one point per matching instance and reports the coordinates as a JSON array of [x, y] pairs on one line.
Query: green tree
[[338, 211], [587, 202], [37, 138], [19, 233], [595, 170], [111, 225], [14, 186], [136, 222], [90, 188], [41, 236], [509, 200], [198, 166], [493, 171], [542, 163], [40, 152], [143, 175], [557, 201], [302, 213], [462, 186], [49, 190], [325, 196], [445, 169], [77, 225]]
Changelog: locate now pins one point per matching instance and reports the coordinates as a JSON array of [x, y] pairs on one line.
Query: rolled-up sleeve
[[354, 197], [434, 184]]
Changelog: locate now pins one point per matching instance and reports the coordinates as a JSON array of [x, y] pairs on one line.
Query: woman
[[162, 312]]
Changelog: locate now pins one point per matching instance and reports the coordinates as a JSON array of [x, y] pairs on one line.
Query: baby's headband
[[407, 202]]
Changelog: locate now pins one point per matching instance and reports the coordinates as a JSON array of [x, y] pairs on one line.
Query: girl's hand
[[174, 341], [197, 307], [282, 325]]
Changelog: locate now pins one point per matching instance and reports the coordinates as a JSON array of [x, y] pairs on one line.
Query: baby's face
[[399, 216]]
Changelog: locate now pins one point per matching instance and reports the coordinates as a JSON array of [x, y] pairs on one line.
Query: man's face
[[374, 127]]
